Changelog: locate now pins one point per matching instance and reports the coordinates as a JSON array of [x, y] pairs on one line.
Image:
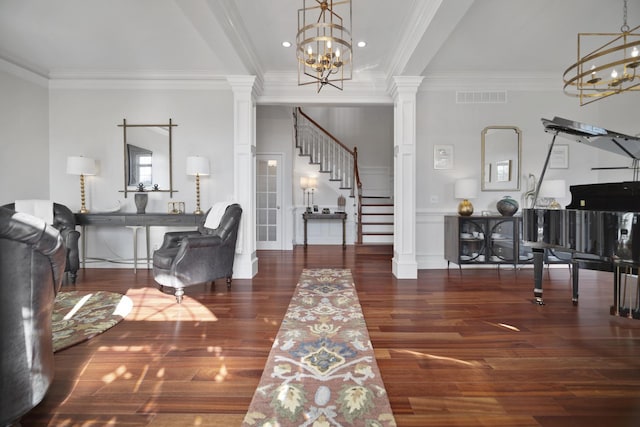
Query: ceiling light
[[323, 43], [286, 44], [606, 64], [362, 44]]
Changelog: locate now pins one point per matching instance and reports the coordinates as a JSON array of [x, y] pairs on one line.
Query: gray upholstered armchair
[[194, 257], [65, 222], [32, 260]]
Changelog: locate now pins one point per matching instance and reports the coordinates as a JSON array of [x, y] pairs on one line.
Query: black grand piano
[[600, 228]]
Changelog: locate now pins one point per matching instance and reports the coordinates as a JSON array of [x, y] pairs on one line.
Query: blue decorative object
[[507, 206]]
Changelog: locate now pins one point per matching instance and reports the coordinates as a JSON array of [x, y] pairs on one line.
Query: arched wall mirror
[[147, 157], [500, 158]]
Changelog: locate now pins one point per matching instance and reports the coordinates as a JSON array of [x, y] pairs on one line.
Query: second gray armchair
[[195, 257]]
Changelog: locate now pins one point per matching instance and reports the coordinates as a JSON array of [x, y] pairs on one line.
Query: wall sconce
[[197, 166], [83, 166], [465, 189]]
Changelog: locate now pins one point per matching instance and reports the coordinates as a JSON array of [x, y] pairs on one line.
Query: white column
[[404, 264], [245, 265]]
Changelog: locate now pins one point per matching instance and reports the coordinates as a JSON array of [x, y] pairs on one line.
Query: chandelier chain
[[625, 27]]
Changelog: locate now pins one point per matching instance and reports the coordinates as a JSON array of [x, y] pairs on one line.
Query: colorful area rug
[[79, 316], [321, 371]]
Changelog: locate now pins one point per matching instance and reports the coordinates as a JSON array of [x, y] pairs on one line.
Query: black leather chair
[[65, 222], [32, 261], [194, 257]]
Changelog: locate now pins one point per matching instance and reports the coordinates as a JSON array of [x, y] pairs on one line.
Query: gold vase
[[465, 208]]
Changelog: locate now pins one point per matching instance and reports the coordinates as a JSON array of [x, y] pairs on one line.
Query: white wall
[[24, 138], [442, 121], [85, 122]]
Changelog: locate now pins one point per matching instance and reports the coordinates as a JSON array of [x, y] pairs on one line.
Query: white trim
[[23, 73], [141, 84], [420, 19], [491, 82]]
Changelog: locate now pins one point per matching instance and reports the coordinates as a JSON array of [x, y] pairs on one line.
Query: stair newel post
[[358, 199]]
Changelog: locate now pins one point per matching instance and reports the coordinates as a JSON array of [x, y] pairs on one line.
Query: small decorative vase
[[507, 206], [141, 200]]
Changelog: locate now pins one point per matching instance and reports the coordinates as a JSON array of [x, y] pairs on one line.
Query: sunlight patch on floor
[[151, 304]]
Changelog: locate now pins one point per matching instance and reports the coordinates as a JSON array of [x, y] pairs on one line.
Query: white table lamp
[[465, 189], [553, 189]]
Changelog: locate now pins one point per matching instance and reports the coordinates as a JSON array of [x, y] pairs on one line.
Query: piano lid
[[594, 136]]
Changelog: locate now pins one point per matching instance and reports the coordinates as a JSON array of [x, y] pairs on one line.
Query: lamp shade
[[78, 165], [197, 165], [313, 182], [465, 189], [553, 188], [304, 182]]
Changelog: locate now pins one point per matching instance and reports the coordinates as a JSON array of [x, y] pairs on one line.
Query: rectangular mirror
[[147, 157], [500, 158]]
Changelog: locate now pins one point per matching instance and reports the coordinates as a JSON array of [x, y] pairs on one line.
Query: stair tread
[[377, 213], [376, 204], [377, 223], [376, 233]]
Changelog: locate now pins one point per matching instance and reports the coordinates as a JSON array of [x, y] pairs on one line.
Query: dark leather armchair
[[194, 257], [65, 222], [32, 260]]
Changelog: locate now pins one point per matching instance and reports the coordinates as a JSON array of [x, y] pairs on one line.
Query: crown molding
[[176, 80], [492, 81], [364, 88], [24, 73]]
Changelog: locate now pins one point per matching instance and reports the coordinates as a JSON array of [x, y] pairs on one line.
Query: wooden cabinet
[[484, 240]]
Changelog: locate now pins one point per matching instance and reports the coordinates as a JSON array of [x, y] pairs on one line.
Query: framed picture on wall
[[559, 158], [443, 156]]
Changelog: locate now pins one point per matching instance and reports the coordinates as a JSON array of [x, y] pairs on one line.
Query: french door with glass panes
[[268, 200]]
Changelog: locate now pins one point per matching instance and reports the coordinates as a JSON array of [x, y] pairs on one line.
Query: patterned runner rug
[[321, 370]]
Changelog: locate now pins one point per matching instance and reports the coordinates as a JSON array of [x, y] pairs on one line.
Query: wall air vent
[[481, 97]]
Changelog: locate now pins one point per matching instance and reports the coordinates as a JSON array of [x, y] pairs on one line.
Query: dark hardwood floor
[[454, 349]]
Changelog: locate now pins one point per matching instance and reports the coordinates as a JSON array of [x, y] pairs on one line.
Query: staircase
[[374, 213], [376, 220]]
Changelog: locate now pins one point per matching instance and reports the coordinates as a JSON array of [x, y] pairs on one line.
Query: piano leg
[[538, 265], [574, 281], [614, 310]]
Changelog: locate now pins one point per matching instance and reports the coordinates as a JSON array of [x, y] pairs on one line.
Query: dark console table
[[307, 216], [135, 222]]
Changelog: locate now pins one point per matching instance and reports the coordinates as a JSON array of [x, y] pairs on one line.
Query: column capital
[[242, 85], [404, 85]]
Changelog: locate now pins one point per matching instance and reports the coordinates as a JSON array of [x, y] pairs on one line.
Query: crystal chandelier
[[605, 69], [323, 43]]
